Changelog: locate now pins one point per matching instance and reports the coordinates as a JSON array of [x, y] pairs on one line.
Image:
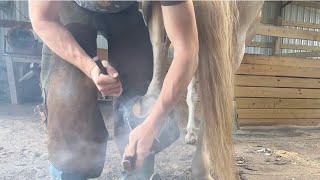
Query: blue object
[[57, 174]]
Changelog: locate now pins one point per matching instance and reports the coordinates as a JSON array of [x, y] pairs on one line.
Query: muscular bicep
[[43, 10], [180, 24]]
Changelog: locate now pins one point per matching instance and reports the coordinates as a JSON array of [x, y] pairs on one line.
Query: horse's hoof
[[155, 177], [143, 106], [191, 137], [208, 177], [242, 177]]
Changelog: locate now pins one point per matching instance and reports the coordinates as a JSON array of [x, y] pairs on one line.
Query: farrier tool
[[127, 162]]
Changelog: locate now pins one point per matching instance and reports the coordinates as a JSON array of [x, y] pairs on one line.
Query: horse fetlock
[[200, 174], [191, 136], [207, 177]]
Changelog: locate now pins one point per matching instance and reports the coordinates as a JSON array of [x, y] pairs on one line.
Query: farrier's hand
[[108, 85], [140, 141]]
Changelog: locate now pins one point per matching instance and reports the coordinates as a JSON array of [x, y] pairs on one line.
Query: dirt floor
[[291, 153]]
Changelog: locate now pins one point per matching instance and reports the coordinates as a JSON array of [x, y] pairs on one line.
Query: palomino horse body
[[224, 28]]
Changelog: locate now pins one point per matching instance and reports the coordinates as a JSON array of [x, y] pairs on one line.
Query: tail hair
[[216, 22]]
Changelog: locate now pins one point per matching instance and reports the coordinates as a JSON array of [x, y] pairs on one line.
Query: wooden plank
[[287, 32], [27, 60], [274, 122], [291, 23], [284, 46], [267, 70], [277, 40], [12, 81], [260, 44], [278, 113], [267, 81], [300, 47], [28, 75], [277, 103], [276, 92], [303, 54], [267, 21], [24, 59], [280, 61], [301, 24], [13, 23]]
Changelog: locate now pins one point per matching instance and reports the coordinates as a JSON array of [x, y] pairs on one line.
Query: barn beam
[[287, 32], [291, 23], [278, 22], [308, 4], [13, 23], [284, 46], [260, 44], [303, 54], [286, 4]]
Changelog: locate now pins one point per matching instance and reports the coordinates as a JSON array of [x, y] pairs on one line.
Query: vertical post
[[277, 22], [235, 124], [277, 40], [11, 80]]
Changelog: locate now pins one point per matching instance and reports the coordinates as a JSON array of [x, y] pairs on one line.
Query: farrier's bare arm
[[180, 25], [44, 19]]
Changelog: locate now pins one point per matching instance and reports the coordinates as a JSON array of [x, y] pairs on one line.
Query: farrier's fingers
[[130, 152], [142, 153], [110, 70], [116, 91], [106, 79]]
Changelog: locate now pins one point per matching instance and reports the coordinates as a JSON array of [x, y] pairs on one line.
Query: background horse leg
[[249, 19], [192, 98], [198, 166]]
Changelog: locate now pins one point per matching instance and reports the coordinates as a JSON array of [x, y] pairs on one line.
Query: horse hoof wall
[[191, 138], [155, 177]]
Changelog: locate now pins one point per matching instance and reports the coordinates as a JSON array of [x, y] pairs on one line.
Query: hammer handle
[[100, 65]]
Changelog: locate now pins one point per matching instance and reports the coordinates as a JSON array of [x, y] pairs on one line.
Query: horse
[[224, 27], [248, 23]]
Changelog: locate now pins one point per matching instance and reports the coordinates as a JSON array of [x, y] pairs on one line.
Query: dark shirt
[[111, 6]]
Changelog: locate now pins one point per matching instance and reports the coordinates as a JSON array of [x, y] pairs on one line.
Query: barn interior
[[276, 103]]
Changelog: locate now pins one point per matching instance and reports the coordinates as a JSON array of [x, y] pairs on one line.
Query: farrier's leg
[[76, 131], [130, 52]]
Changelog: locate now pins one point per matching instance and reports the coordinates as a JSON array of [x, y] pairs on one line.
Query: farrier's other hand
[[108, 85], [140, 142]]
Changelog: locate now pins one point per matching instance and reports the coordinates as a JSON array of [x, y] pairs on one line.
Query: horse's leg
[[192, 98], [160, 46], [198, 167], [249, 17], [160, 49], [253, 29]]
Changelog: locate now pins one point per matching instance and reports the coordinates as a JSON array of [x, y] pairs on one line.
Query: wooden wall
[[275, 90]]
